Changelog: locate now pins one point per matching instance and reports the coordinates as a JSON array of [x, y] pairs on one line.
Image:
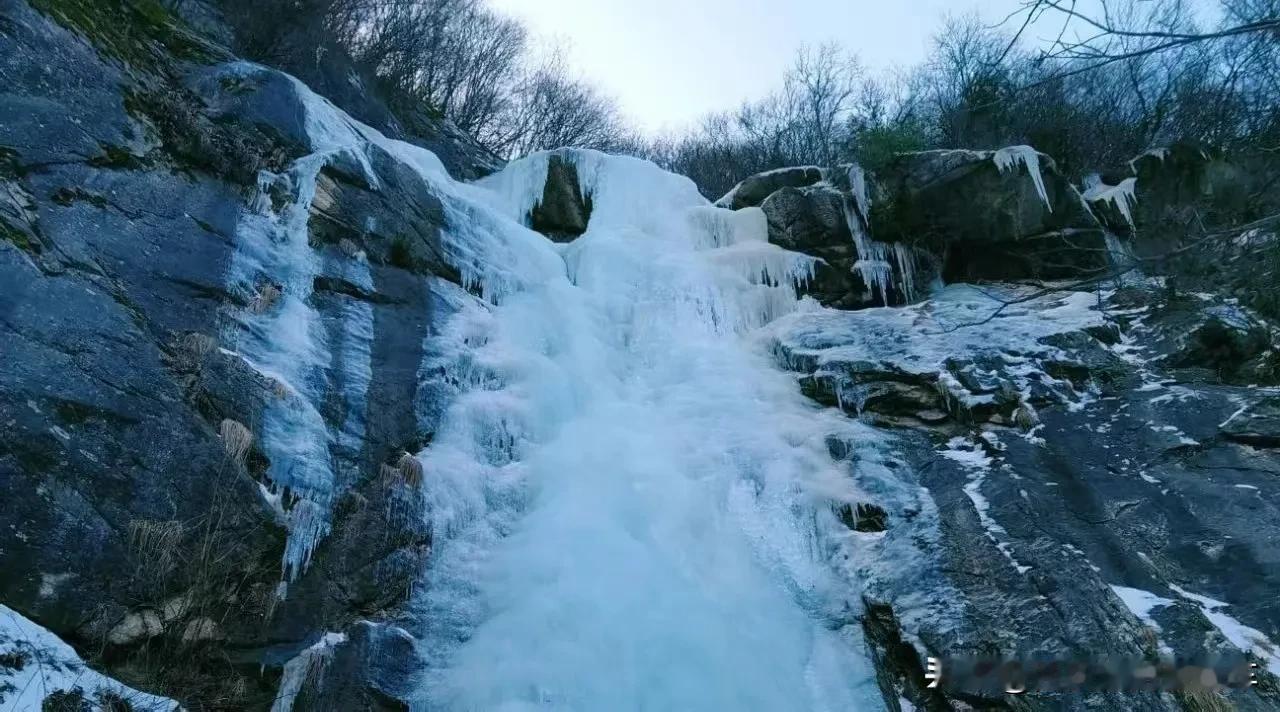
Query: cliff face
[[237, 323], [149, 346]]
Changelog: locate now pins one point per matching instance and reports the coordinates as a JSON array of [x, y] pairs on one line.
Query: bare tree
[[806, 121], [1121, 31], [817, 95], [551, 109]]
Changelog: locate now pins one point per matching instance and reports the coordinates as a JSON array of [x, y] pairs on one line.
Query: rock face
[[1054, 490], [753, 190], [1256, 423], [138, 412]]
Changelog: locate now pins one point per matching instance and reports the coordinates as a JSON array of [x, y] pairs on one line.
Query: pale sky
[[671, 61]]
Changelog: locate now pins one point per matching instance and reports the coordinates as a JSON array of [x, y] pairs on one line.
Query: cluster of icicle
[[883, 266], [1121, 196]]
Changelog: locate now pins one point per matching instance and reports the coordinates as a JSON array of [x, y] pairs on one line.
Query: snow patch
[[1249, 640], [47, 665], [1141, 603]]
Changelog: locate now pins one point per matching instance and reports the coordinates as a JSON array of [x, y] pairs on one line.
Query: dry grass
[[236, 439], [267, 296], [154, 545], [1205, 701], [406, 470]]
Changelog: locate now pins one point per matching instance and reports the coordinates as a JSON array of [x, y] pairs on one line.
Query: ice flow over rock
[[630, 501], [631, 504]]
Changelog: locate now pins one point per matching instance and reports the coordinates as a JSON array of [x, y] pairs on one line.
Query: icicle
[[878, 262], [1011, 156], [858, 188], [1122, 196], [286, 342]]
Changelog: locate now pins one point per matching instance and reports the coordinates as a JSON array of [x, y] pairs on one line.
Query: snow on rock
[[39, 670], [304, 667], [1141, 603], [1249, 640], [751, 191], [973, 458], [1011, 157], [959, 323]]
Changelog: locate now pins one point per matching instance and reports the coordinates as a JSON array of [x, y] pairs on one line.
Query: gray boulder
[[753, 190], [989, 215], [564, 210], [812, 220]]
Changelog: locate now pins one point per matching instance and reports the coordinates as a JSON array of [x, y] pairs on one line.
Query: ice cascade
[[632, 507], [630, 501]]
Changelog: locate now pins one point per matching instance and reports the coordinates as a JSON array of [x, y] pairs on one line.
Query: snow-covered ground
[[36, 665]]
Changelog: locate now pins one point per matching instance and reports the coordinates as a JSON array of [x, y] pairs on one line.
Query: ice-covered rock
[[1058, 532]]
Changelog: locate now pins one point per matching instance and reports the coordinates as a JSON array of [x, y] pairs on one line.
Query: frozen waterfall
[[632, 506], [631, 503]]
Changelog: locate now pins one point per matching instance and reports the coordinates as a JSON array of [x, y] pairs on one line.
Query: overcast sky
[[670, 61]]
